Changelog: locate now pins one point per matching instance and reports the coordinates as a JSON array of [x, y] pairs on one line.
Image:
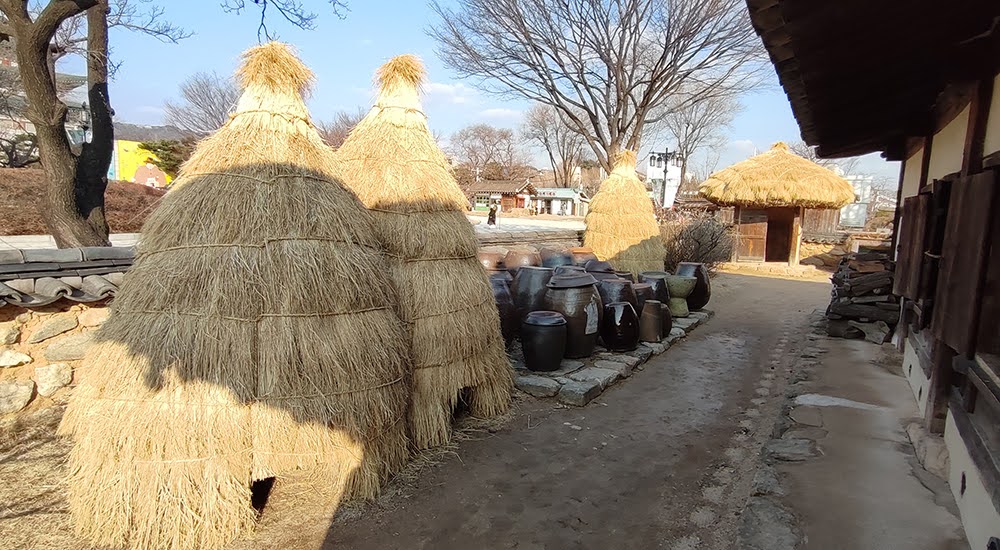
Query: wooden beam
[[975, 135], [793, 254], [899, 209], [939, 388], [925, 162]]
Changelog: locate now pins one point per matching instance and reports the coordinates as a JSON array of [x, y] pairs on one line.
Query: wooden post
[[939, 389], [793, 254], [736, 245]]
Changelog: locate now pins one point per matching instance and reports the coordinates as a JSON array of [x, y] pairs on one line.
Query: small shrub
[[696, 238]]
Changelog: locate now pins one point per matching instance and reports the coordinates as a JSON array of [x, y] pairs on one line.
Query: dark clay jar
[[627, 275], [620, 328], [529, 289], [505, 305], [567, 270], [702, 292], [501, 274], [555, 258], [516, 259], [543, 339], [581, 306], [582, 255], [666, 319], [617, 290], [658, 283], [643, 292], [651, 322]]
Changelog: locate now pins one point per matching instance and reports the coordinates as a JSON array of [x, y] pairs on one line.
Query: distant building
[[663, 175], [508, 194], [130, 162], [560, 201]]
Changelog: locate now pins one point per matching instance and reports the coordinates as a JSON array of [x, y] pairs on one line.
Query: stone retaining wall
[[40, 349]]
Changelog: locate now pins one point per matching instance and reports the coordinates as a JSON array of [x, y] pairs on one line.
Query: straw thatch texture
[[776, 178], [621, 223], [394, 165], [255, 336]]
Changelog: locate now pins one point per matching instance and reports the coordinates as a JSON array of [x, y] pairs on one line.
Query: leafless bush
[[696, 238]]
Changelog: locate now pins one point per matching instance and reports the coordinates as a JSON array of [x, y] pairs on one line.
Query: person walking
[[491, 218]]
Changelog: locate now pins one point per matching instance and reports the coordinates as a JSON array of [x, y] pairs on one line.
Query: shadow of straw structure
[[255, 336], [621, 224], [392, 162]]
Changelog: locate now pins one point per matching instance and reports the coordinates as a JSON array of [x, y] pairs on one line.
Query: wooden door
[[752, 235], [778, 245]]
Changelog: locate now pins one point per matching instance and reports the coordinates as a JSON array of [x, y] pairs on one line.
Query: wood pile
[[862, 302]]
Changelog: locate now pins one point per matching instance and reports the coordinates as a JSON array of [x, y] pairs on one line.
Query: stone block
[[807, 416], [52, 378], [53, 327], [791, 450], [657, 348], [15, 395], [624, 370], [579, 392], [9, 332], [642, 353], [10, 358], [69, 348], [686, 323], [620, 358], [605, 377], [93, 317], [566, 367]]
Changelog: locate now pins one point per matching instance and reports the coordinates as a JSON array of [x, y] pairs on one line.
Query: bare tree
[[206, 101], [846, 166], [564, 146], [293, 11], [494, 152], [699, 124], [334, 132], [606, 66], [73, 206]]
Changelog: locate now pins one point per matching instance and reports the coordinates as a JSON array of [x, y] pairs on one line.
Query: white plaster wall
[[911, 174], [948, 148], [992, 143], [919, 383], [979, 517]]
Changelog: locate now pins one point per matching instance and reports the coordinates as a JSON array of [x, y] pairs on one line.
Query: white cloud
[[744, 146], [457, 93], [500, 113]]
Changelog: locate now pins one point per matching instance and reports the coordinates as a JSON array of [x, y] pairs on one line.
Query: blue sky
[[345, 53]]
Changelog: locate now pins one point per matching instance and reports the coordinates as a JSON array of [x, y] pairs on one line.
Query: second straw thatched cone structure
[[255, 336], [392, 162], [621, 225]]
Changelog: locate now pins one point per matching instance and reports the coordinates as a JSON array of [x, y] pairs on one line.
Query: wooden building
[[508, 194], [770, 193], [919, 82]]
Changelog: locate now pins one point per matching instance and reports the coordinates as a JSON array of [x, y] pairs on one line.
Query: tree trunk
[[95, 157], [69, 226]]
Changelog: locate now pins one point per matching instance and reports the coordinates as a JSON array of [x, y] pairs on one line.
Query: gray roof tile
[[36, 278]]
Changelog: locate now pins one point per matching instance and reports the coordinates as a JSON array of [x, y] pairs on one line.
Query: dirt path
[[662, 460]]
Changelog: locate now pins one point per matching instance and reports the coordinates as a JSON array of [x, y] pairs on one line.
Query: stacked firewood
[[863, 304]]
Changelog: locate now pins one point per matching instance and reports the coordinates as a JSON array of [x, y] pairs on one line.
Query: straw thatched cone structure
[[255, 336], [392, 162], [621, 223], [770, 192]]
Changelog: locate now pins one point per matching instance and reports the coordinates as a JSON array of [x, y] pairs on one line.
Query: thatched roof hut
[[777, 178], [770, 192], [255, 336], [621, 224], [392, 162]]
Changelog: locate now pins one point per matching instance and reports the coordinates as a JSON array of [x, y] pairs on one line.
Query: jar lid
[[567, 270], [653, 275], [598, 266], [544, 319], [572, 280]]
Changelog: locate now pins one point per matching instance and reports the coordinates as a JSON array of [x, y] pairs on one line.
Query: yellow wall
[[129, 157]]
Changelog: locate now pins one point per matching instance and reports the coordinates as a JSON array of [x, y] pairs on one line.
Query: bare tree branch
[[293, 11], [494, 152], [606, 66], [334, 132], [206, 101], [697, 124], [564, 146]]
